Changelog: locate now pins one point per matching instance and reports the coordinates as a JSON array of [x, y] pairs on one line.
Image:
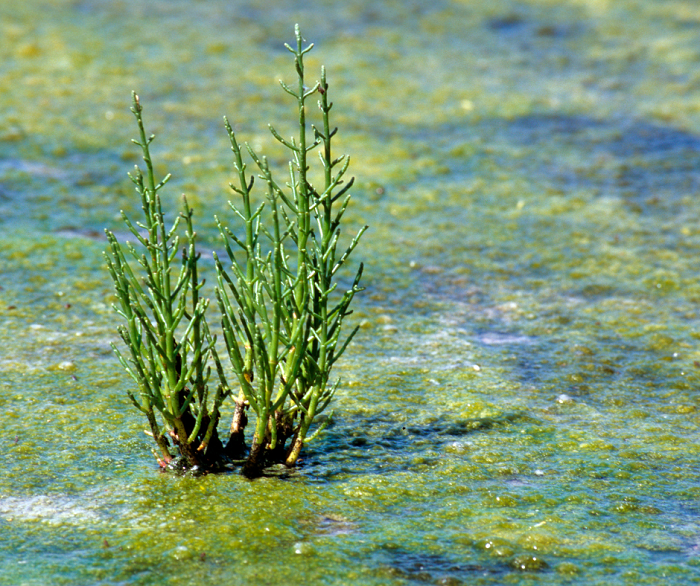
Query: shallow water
[[520, 405]]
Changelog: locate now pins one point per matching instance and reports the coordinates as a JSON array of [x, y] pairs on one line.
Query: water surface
[[520, 406]]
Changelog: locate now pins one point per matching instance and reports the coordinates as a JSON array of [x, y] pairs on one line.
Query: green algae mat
[[520, 405]]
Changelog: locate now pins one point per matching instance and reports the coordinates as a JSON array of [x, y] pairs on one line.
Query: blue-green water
[[520, 405]]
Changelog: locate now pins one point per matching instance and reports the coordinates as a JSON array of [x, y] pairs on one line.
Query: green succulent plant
[[282, 317]]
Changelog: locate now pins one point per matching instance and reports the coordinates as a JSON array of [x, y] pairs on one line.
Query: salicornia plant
[[166, 334], [281, 325], [281, 316]]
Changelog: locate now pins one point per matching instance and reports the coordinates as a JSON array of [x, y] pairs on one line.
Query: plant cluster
[[276, 289]]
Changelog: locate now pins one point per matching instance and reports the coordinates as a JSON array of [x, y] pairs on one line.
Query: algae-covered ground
[[520, 405]]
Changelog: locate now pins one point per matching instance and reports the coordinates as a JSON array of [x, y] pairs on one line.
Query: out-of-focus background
[[520, 404]]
